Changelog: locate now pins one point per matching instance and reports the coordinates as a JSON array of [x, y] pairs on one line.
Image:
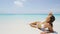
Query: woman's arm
[[33, 24], [50, 28]]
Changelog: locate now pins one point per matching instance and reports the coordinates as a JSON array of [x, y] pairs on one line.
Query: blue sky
[[29, 6]]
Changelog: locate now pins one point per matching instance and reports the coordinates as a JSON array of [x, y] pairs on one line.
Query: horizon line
[[27, 14]]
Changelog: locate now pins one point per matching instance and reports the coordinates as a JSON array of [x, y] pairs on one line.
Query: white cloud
[[24, 0], [21, 0], [18, 3]]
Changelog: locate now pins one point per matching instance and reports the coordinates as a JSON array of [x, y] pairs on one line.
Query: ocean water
[[19, 23]]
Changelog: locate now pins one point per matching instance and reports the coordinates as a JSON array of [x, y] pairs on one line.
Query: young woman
[[46, 26]]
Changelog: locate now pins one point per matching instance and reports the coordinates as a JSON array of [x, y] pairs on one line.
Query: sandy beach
[[20, 25]]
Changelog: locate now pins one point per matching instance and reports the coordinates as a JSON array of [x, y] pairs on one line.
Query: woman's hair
[[52, 19]]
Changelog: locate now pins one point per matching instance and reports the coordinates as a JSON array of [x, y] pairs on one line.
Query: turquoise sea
[[19, 23]]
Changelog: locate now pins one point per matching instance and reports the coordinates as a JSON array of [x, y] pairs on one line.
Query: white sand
[[22, 27]]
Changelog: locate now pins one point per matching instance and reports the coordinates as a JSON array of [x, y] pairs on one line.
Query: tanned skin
[[46, 23]]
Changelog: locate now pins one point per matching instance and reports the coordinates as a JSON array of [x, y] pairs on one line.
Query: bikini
[[46, 29], [42, 27]]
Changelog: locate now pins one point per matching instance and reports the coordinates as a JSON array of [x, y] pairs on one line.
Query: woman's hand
[[44, 33]]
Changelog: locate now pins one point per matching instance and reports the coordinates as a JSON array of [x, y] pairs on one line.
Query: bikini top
[[42, 27]]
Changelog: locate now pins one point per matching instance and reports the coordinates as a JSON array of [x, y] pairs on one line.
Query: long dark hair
[[52, 19]]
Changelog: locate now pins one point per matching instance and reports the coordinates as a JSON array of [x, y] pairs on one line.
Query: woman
[[46, 26]]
